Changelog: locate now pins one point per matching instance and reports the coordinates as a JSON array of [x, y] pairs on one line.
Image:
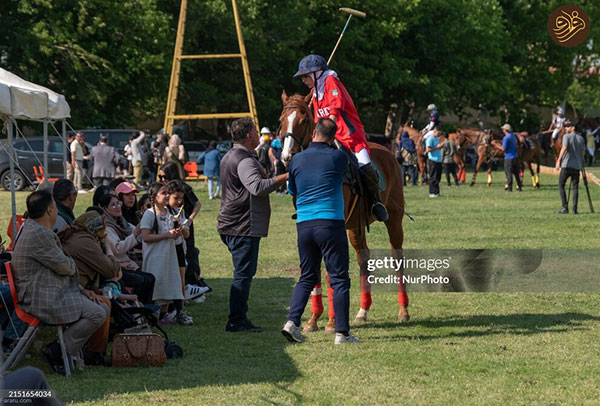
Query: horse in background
[[417, 138], [296, 129]]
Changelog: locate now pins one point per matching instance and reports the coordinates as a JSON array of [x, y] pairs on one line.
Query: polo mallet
[[351, 12], [587, 189]]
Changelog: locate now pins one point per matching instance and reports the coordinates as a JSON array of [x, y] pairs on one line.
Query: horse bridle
[[300, 141]]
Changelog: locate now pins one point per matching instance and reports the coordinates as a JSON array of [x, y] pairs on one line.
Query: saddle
[[352, 176]]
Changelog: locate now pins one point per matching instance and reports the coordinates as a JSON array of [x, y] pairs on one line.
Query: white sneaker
[[342, 339], [200, 299], [183, 318], [292, 332], [193, 291], [82, 191]]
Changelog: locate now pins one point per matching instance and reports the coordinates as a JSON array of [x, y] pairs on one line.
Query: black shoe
[[379, 212], [53, 357], [563, 211], [94, 358], [575, 211], [242, 326]]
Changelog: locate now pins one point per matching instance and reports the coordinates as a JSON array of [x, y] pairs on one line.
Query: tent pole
[[45, 150], [13, 202], [65, 149]]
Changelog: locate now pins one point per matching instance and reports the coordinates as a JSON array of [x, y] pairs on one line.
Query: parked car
[[26, 152], [194, 148]]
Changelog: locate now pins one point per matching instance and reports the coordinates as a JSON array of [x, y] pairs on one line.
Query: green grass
[[459, 348]]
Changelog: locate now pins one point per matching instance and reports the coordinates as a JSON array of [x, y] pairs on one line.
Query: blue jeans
[[211, 181], [8, 316], [412, 172], [244, 254], [323, 239]]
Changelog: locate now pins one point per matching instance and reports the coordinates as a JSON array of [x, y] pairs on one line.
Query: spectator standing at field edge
[[570, 161]]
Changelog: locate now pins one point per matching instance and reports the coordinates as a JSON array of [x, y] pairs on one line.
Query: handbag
[[130, 350]]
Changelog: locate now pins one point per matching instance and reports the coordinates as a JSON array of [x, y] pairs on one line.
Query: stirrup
[[379, 211]]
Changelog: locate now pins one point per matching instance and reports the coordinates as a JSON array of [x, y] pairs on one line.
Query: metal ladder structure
[[170, 115]]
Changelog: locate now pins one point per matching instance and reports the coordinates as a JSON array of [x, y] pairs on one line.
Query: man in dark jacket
[[244, 216]]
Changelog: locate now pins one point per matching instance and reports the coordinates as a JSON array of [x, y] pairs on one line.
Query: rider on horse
[[557, 125], [434, 119], [331, 100]]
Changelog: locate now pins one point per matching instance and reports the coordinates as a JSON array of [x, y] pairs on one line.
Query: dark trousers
[[565, 174], [412, 172], [511, 167], [450, 169], [435, 174], [142, 284], [192, 268], [244, 254], [323, 239]]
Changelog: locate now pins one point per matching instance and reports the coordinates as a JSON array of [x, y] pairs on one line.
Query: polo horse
[[296, 127], [487, 149]]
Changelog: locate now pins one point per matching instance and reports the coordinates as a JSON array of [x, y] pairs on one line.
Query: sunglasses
[[115, 205]]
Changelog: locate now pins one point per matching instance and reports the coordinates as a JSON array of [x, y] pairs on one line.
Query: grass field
[[458, 348]]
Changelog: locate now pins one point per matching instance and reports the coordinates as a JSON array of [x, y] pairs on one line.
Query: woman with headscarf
[[408, 151], [212, 160], [191, 206], [175, 152], [84, 242], [121, 238]]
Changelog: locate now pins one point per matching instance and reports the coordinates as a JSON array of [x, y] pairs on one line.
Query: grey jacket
[[245, 208], [46, 279], [105, 159]]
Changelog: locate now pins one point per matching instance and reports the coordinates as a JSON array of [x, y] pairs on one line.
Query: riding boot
[[370, 179]]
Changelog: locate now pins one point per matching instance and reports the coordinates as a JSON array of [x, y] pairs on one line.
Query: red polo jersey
[[337, 102]]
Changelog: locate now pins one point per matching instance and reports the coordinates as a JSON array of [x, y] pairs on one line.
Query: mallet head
[[353, 12]]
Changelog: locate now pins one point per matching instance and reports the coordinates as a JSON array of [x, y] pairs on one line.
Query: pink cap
[[125, 188]]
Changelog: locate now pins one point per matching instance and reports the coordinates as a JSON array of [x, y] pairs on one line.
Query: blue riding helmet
[[310, 64]]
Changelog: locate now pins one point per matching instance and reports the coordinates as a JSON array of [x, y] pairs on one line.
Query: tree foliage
[[112, 58]]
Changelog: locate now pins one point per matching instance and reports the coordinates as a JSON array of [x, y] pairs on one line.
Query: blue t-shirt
[[509, 143], [432, 142], [316, 177]]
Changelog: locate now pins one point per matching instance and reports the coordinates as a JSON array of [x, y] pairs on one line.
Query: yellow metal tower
[[170, 115]]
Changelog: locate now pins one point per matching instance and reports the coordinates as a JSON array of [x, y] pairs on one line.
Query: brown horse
[[296, 130], [530, 151], [488, 149]]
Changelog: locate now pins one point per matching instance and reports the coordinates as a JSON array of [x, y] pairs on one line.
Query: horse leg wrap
[[316, 301], [365, 293], [533, 180], [537, 179], [330, 300], [489, 182]]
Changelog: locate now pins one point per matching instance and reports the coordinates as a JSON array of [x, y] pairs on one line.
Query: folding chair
[[192, 170], [34, 324], [11, 234]]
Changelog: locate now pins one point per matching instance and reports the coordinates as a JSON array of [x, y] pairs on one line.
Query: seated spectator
[[126, 193], [101, 191], [65, 196], [121, 238], [47, 282], [84, 242]]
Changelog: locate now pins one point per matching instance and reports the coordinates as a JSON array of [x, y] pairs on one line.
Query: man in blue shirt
[[315, 180], [434, 161], [511, 158]]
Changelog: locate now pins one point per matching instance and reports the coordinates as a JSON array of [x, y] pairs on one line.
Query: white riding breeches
[[363, 157], [555, 133]]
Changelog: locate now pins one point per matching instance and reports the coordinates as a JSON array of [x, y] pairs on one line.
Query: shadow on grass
[[211, 356], [486, 325]]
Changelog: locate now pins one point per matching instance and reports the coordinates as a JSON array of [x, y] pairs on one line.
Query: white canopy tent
[[23, 100]]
